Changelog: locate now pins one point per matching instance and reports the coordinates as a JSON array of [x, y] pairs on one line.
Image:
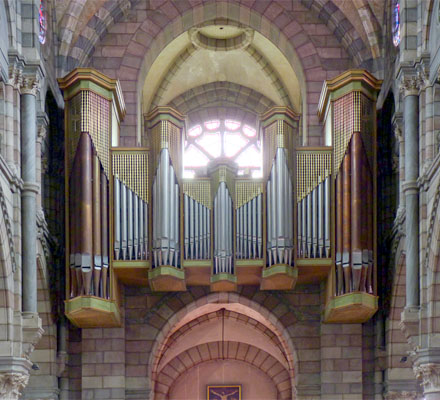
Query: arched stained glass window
[[42, 18], [396, 23], [222, 138]]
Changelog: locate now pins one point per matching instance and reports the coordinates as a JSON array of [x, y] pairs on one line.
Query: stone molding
[[32, 332], [430, 375], [9, 231], [409, 325], [401, 395], [11, 384]]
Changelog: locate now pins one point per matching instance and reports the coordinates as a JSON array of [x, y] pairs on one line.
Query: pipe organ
[[131, 218]]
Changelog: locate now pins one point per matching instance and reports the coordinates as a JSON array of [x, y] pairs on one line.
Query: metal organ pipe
[[96, 201], [104, 234], [327, 217], [346, 209], [339, 229], [356, 215]]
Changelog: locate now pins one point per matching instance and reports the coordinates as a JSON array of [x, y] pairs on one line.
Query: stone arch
[[173, 310], [427, 20], [233, 351], [142, 42], [219, 93]]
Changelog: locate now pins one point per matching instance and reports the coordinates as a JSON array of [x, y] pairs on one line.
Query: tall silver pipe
[[141, 229], [129, 224], [204, 232], [269, 221], [177, 224], [274, 202], [124, 220], [289, 221], [117, 217], [230, 233], [280, 217], [135, 226], [260, 225], [165, 205], [245, 230], [208, 235], [186, 225], [254, 227], [216, 233], [237, 233], [191, 228], [327, 217], [155, 222], [171, 238]]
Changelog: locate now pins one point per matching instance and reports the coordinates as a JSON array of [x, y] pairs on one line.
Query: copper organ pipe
[[364, 232], [73, 214], [96, 201], [339, 229], [370, 232], [104, 234], [356, 210], [86, 215], [346, 210]]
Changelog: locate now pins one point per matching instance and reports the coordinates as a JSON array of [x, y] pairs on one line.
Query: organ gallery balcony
[[220, 203]]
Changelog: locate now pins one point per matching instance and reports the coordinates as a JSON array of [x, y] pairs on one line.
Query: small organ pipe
[[155, 222], [254, 227], [314, 195], [364, 226], [172, 238], [196, 230], [208, 236], [304, 228], [176, 223], [165, 203], [269, 221], [191, 227], [309, 225]]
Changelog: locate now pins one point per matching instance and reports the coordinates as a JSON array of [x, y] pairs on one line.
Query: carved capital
[[398, 132], [430, 376], [30, 85], [410, 85], [15, 75], [401, 395], [11, 384]]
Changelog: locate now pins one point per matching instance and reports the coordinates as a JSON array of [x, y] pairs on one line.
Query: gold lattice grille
[[352, 113], [166, 135], [132, 169], [343, 126], [95, 119], [312, 168], [245, 191], [199, 191]]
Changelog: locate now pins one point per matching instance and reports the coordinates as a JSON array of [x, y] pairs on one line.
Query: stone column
[[28, 113], [410, 188], [13, 83]]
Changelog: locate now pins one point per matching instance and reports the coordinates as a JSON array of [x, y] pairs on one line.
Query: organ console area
[[132, 217]]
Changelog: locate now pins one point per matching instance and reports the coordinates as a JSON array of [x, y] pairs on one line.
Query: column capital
[[410, 85], [30, 84], [15, 75], [12, 383], [430, 375], [398, 133]]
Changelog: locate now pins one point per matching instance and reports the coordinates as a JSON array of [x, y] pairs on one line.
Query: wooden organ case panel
[[349, 101], [93, 109]]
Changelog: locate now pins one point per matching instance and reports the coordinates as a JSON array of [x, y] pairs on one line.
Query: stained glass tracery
[[396, 23], [42, 19], [222, 138]]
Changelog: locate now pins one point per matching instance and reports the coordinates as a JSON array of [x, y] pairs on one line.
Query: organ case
[[94, 108], [348, 108]]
